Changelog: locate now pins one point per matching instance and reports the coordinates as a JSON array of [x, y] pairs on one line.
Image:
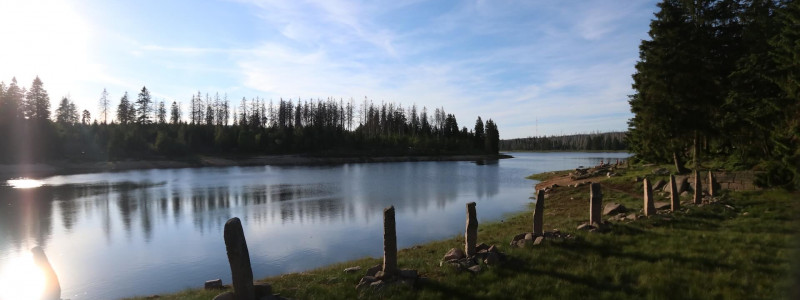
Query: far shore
[[40, 170]]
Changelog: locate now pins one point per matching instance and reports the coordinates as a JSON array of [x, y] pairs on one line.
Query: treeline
[[718, 82], [143, 128], [613, 141]]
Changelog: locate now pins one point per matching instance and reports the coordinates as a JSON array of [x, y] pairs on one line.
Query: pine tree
[[86, 117], [143, 106], [66, 113], [125, 111], [175, 113], [37, 102]]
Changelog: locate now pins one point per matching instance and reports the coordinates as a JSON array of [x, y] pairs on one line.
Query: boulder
[[492, 259], [614, 208], [538, 240], [662, 205], [586, 226], [474, 269], [352, 269], [215, 284], [659, 184], [373, 270], [482, 246], [454, 253], [518, 237], [529, 236]]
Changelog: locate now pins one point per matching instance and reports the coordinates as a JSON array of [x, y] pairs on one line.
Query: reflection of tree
[[26, 213]]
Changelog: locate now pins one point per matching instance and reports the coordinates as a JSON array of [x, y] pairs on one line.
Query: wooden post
[[649, 206], [538, 215], [595, 204], [52, 288], [711, 191], [389, 242], [698, 188], [471, 234], [239, 259], [674, 197]]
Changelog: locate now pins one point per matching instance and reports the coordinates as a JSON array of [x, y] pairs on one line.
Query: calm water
[[111, 235]]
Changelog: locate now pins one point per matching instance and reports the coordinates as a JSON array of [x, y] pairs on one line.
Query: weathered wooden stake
[[389, 242], [711, 191], [595, 204], [649, 206], [698, 188], [52, 288], [471, 235], [538, 215], [674, 197], [239, 259]]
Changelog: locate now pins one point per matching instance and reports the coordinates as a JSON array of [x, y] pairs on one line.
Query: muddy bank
[[40, 170]]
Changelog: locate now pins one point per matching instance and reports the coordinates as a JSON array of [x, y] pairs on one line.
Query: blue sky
[[566, 64]]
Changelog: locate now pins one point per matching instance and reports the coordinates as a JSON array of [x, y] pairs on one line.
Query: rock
[[684, 193], [215, 284], [262, 290], [225, 296], [239, 259], [519, 237], [529, 236], [492, 259], [482, 246], [377, 284], [659, 184], [538, 240], [366, 281], [661, 171], [454, 253], [474, 269], [373, 270], [493, 249], [352, 269], [389, 241], [662, 205], [632, 217], [614, 208], [585, 226]]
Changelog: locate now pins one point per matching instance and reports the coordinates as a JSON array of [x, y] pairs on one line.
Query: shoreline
[[41, 170]]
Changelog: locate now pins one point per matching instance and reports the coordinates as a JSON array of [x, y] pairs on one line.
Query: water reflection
[[164, 227]]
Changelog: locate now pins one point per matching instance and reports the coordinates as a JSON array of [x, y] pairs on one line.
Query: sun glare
[[24, 183], [20, 278]]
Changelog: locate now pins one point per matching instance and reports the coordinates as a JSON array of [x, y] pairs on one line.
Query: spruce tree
[[37, 102], [143, 106]]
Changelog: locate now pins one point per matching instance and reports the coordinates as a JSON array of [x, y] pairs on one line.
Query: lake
[[144, 232]]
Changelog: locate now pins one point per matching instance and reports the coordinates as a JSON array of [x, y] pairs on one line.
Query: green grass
[[744, 246]]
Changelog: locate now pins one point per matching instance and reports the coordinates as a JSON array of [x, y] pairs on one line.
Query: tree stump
[[595, 204], [649, 206], [389, 242], [239, 259], [471, 235], [538, 215]]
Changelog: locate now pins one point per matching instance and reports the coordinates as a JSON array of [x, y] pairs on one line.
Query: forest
[[614, 141], [137, 127], [718, 85]]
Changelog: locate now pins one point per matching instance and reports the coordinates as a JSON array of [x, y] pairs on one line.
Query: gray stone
[[595, 203], [471, 234], [52, 288], [529, 236], [492, 258], [454, 253], [352, 269], [518, 237], [373, 270], [674, 197], [538, 214], [649, 209], [239, 260], [659, 184], [215, 284], [482, 246], [389, 242], [538, 240], [661, 205], [365, 282], [614, 208], [474, 269], [585, 226]]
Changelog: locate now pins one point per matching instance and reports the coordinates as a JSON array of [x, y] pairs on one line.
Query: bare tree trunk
[[696, 146]]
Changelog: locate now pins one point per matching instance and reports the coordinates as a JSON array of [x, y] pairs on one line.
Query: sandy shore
[[40, 170]]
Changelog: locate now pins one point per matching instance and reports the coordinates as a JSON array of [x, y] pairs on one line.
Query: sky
[[534, 67]]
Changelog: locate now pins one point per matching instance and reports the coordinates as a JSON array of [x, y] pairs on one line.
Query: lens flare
[[20, 278]]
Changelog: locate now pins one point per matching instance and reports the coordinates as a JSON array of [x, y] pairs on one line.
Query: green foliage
[[575, 142], [718, 80]]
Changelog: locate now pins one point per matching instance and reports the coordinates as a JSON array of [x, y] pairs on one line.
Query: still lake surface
[[144, 232]]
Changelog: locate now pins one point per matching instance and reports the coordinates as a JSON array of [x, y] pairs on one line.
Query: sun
[[20, 278]]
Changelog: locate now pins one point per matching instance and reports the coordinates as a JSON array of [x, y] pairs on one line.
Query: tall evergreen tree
[[37, 102], [125, 111], [143, 106], [66, 113]]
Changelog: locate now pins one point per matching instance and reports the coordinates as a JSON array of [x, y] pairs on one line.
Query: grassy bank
[[744, 246]]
